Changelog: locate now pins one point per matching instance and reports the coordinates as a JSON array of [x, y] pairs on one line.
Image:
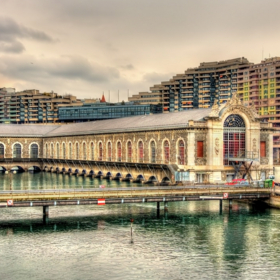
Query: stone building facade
[[199, 145]]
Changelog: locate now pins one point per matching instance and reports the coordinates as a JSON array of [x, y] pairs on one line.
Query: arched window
[[92, 150], [70, 151], [17, 151], [77, 150], [153, 151], [109, 151], [2, 151], [34, 151], [84, 151], [100, 151], [63, 151], [57, 150], [140, 151], [119, 151], [129, 151], [234, 139], [46, 150], [181, 152], [51, 150], [166, 151]]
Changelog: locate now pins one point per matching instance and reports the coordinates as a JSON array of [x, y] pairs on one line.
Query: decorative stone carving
[[200, 161], [217, 144], [215, 110]]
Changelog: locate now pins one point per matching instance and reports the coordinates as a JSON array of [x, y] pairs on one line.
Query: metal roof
[[136, 123], [25, 130]]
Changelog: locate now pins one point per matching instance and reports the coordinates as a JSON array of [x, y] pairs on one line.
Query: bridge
[[102, 196]]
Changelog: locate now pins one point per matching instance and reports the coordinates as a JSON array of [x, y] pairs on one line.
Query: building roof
[[136, 123], [25, 130]]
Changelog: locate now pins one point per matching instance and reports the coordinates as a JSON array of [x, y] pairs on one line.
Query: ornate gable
[[234, 105]]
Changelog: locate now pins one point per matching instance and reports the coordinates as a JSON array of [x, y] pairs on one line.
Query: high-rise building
[[197, 87]]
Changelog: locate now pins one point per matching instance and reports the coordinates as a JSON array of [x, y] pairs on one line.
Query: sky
[[88, 47]]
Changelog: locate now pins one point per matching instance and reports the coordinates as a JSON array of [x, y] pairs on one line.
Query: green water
[[193, 240], [47, 180]]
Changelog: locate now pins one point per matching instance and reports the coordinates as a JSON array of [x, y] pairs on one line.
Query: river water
[[193, 240]]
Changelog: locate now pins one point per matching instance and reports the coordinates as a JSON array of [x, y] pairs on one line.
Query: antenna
[[118, 96]]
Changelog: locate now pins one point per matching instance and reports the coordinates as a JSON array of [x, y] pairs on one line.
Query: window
[[92, 150], [199, 149], [63, 151], [119, 151], [129, 151], [46, 150], [153, 152], [100, 151], [263, 149], [57, 150], [17, 151], [70, 151], [140, 151], [166, 151], [34, 151], [84, 151], [77, 150], [2, 151], [234, 138], [272, 91], [51, 150], [109, 151], [181, 152]]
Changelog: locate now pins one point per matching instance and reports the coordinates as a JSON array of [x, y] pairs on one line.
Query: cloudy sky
[[87, 47]]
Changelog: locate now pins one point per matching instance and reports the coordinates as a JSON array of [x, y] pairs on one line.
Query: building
[[104, 110], [201, 145], [31, 106], [197, 87], [256, 84]]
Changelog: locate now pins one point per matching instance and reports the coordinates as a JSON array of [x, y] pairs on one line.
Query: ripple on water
[[192, 241]]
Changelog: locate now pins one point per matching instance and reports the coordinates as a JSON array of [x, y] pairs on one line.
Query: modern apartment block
[[31, 106], [197, 87]]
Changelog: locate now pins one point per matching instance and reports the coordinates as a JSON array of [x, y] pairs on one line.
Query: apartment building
[[197, 87], [31, 106]]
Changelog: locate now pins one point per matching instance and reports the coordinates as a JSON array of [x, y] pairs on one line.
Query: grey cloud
[[11, 47], [65, 67], [11, 31]]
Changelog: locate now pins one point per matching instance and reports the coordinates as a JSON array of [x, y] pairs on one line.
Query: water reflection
[[46, 180], [193, 240]]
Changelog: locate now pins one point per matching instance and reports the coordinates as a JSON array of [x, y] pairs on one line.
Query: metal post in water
[[131, 222], [158, 209], [230, 203], [221, 206]]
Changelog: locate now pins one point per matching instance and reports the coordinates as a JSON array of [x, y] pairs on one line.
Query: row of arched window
[[75, 152], [17, 150]]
